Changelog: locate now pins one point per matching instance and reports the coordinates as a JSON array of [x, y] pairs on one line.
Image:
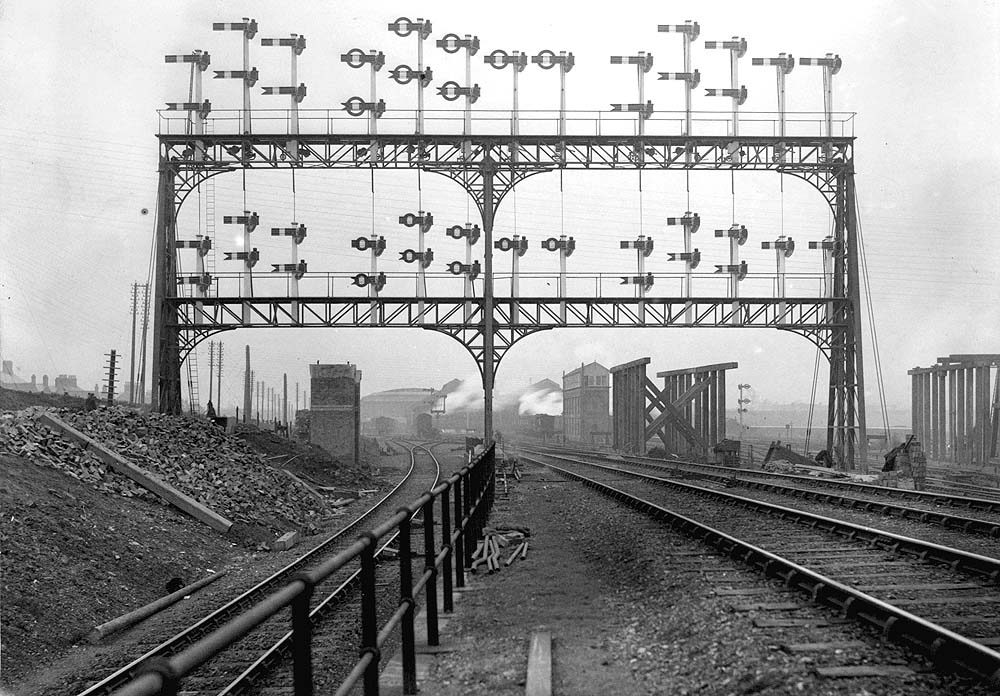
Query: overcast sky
[[82, 82]]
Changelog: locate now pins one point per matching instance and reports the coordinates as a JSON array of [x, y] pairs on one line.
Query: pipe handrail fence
[[465, 500]]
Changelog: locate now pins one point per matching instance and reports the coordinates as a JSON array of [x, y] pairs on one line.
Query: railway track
[[940, 601], [960, 529], [928, 500], [245, 666]]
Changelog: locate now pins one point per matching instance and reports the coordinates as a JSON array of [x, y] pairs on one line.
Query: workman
[[823, 458], [210, 409], [90, 404], [918, 463]]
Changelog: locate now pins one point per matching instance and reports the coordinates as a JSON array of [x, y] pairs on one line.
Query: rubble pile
[[190, 454], [21, 435]]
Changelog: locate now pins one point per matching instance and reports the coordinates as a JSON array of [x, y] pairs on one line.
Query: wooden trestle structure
[[954, 416], [688, 414]]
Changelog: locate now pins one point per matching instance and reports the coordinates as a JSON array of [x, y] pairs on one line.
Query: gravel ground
[[73, 557], [633, 610]]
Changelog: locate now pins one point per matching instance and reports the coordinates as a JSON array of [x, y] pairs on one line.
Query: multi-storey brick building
[[586, 399]]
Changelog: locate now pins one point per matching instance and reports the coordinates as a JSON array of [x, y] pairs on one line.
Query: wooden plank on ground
[[848, 671], [824, 647], [962, 599], [831, 563], [991, 619], [767, 606], [312, 491], [145, 479], [539, 679], [835, 556], [792, 622], [749, 591], [928, 587]]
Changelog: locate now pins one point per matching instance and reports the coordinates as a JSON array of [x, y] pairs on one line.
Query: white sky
[[81, 83]]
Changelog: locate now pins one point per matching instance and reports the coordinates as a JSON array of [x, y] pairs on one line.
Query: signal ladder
[[194, 405], [210, 217]]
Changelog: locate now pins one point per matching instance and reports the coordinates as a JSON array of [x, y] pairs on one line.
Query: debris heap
[[191, 454]]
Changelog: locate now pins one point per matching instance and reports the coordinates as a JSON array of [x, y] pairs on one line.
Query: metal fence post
[[460, 537], [369, 616], [477, 500], [491, 481], [406, 596], [431, 587], [302, 672], [469, 541], [449, 604]]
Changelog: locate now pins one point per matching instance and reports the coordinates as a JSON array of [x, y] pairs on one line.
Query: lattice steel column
[[855, 359], [490, 203], [166, 365]]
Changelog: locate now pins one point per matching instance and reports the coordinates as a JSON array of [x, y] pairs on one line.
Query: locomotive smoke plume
[[547, 401], [467, 395]]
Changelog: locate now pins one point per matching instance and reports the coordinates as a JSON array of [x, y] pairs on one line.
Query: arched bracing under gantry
[[489, 167]]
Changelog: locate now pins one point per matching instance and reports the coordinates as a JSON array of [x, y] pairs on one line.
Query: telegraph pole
[[131, 364], [211, 367], [247, 381], [218, 392], [142, 347]]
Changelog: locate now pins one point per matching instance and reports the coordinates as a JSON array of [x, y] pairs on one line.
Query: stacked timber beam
[[956, 408], [688, 414]]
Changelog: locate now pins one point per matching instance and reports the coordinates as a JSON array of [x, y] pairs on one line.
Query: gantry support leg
[[857, 428], [490, 203], [166, 364], [846, 432]]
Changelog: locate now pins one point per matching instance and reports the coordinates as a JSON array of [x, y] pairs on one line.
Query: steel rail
[[472, 486], [944, 647], [956, 559], [283, 647], [982, 504], [949, 521], [237, 605]]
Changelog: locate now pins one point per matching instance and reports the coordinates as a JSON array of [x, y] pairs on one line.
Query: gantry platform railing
[[535, 122]]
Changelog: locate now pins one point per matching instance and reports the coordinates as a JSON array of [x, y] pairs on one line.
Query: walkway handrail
[[471, 503]]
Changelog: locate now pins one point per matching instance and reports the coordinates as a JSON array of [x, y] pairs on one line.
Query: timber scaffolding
[[688, 414], [953, 414]]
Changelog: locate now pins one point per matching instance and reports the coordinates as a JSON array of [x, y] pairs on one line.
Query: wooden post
[[983, 417], [961, 454], [721, 405], [970, 412], [952, 415], [933, 437]]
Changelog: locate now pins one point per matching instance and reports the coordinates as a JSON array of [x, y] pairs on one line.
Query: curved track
[[944, 602], [239, 668]]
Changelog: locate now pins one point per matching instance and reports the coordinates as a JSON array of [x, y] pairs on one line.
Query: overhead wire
[[862, 256]]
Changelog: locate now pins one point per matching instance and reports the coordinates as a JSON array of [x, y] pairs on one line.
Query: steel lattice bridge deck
[[818, 160], [524, 313], [488, 167]]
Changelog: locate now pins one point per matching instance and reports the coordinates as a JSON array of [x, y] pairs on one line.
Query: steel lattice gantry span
[[489, 167]]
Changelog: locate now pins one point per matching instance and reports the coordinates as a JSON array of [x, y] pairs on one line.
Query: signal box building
[[586, 399]]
